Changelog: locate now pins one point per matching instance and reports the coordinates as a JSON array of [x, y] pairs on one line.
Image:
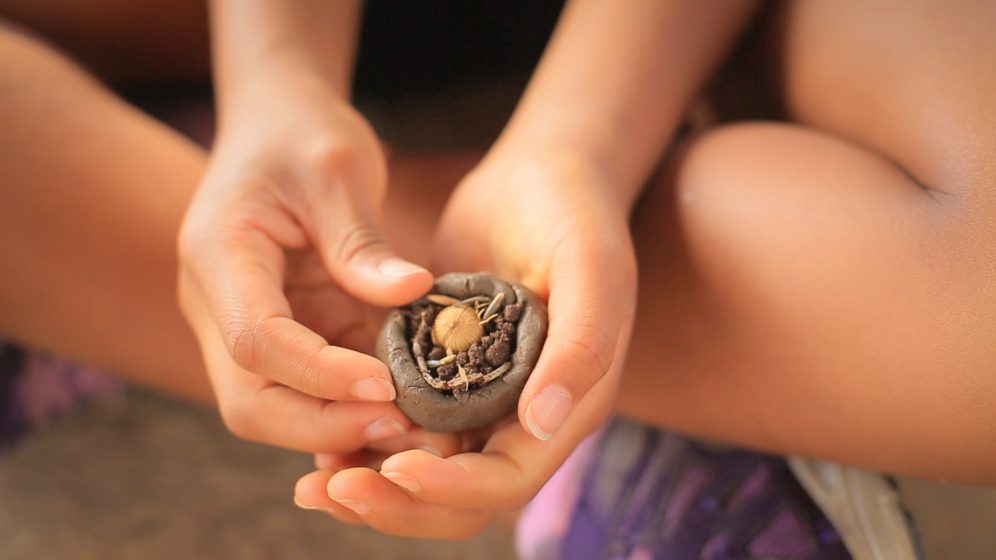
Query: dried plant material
[[493, 306], [487, 320]]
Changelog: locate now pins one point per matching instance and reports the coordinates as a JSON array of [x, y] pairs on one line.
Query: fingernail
[[373, 389], [303, 506], [358, 507], [383, 428], [548, 411], [403, 480], [396, 268]]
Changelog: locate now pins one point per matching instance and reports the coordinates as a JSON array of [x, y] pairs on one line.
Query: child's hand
[[281, 251], [552, 224]]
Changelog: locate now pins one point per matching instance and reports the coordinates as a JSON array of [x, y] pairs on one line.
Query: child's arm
[[264, 51], [296, 175], [616, 80], [549, 207]]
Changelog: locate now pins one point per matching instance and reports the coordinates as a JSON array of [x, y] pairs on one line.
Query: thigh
[[824, 287], [91, 192]]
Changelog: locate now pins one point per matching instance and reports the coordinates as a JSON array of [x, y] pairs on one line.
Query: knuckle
[[352, 162], [242, 340], [305, 369], [329, 155], [359, 239], [590, 352]]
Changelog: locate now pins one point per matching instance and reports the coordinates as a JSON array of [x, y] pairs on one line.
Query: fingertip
[[341, 484], [389, 282], [408, 482], [547, 411], [374, 389], [397, 269], [407, 280], [351, 489], [383, 428], [309, 490]]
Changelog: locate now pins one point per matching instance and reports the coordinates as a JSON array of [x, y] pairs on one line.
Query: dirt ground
[[146, 477], [143, 476]]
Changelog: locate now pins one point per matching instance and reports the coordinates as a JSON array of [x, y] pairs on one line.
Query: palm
[[323, 306]]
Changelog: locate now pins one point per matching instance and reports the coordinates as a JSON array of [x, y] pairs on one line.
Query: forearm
[[265, 48], [615, 80]]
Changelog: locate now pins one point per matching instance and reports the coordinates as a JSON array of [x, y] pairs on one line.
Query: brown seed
[[441, 299], [456, 328], [493, 306]]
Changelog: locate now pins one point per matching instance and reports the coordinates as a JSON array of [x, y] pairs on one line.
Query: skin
[[802, 343], [302, 180], [126, 149]]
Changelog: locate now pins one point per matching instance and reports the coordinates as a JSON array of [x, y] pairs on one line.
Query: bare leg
[[826, 288], [92, 195]]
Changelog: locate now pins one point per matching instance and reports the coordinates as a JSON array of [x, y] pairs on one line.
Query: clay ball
[[461, 355]]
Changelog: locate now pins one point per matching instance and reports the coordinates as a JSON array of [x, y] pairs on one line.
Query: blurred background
[[138, 475], [142, 476]]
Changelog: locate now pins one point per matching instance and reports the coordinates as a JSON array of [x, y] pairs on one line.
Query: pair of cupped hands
[[283, 263]]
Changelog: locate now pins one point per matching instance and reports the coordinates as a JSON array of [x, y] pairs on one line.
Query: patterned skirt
[[35, 387], [637, 493]]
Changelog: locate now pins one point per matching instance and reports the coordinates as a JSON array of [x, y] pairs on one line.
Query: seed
[[494, 305], [442, 362], [476, 300], [456, 328], [441, 299]]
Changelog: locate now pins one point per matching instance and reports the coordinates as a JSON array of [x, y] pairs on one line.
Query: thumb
[[359, 257]]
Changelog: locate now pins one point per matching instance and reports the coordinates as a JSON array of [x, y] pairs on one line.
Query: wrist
[[571, 166], [275, 90], [259, 47]]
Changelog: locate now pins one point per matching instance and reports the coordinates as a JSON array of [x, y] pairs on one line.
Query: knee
[[736, 187], [29, 64], [817, 227]]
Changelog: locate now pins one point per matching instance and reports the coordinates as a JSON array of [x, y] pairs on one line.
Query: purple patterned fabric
[[637, 493], [35, 386]]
